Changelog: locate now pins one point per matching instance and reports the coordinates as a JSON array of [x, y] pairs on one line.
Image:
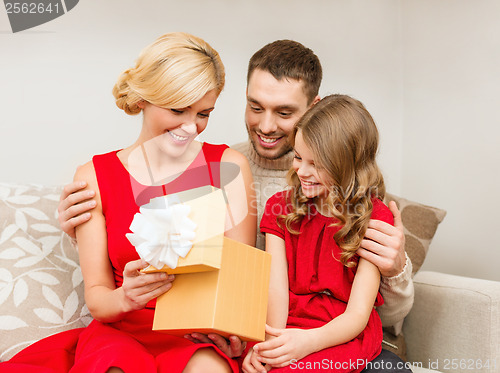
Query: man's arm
[[383, 246], [398, 294], [74, 206]]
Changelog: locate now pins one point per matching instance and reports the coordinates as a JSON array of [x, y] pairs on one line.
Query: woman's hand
[[232, 348], [285, 346], [139, 288]]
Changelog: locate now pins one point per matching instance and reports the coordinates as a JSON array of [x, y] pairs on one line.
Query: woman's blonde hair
[[175, 71], [343, 138]]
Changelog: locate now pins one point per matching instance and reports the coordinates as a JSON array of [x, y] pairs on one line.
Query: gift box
[[228, 301], [221, 285], [205, 209]]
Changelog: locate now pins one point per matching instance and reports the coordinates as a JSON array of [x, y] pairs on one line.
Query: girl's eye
[[297, 157], [176, 111], [203, 115]]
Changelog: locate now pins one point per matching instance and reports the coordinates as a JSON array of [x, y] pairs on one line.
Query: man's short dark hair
[[289, 59]]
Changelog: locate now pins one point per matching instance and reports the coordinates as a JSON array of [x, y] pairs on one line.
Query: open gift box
[[229, 301], [221, 285]]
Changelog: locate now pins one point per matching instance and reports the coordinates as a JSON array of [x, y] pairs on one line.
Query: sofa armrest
[[454, 324]]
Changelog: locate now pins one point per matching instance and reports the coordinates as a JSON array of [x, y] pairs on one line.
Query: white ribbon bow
[[162, 231]]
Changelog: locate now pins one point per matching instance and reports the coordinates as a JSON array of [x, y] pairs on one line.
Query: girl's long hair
[[343, 138]]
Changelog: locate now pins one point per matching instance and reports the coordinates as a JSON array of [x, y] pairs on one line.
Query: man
[[283, 81]]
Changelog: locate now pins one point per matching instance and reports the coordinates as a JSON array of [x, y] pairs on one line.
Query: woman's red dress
[[130, 343]]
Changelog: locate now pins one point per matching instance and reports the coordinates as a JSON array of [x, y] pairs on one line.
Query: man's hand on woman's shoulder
[[74, 206]]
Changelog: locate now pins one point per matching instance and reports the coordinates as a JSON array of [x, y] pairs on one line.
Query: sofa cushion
[[455, 323], [420, 224], [41, 287]]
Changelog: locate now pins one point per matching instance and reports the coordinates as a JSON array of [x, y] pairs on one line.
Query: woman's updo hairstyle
[[175, 71]]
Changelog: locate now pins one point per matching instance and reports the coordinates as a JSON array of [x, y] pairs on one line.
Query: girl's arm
[[106, 302], [291, 344], [359, 307], [241, 222], [277, 309]]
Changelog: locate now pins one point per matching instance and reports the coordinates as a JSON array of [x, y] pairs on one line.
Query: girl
[[321, 304], [175, 84]]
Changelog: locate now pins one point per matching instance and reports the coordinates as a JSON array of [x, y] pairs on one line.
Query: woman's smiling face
[[175, 129]]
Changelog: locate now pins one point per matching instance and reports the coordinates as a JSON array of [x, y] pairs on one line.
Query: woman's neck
[[149, 165]]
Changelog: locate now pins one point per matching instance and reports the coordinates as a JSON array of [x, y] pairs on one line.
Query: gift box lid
[[207, 210]]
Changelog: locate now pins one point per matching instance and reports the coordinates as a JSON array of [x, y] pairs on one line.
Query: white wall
[[57, 107], [451, 143]]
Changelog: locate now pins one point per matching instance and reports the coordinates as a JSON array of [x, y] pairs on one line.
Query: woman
[[175, 83]]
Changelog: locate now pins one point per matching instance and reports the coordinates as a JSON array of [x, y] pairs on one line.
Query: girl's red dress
[[130, 343], [319, 285]]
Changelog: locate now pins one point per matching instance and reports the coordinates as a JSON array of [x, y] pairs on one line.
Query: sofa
[[452, 327]]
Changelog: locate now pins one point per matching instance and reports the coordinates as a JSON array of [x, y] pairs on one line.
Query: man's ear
[[315, 101]]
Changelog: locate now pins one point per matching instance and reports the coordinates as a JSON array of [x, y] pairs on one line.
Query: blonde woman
[[175, 84], [322, 294]]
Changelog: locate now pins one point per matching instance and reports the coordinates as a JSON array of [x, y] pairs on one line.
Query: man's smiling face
[[273, 108]]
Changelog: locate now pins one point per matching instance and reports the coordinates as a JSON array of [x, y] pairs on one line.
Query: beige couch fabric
[[41, 286], [455, 323]]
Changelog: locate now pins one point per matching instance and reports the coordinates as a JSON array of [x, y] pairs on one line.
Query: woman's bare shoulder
[[234, 156]]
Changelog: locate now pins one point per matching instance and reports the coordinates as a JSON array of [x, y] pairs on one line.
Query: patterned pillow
[[420, 223], [41, 287]]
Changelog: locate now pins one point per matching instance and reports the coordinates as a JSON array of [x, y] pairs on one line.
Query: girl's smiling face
[[313, 178]]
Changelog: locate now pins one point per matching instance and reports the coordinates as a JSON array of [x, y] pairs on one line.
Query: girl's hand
[[251, 363], [139, 288], [287, 345]]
